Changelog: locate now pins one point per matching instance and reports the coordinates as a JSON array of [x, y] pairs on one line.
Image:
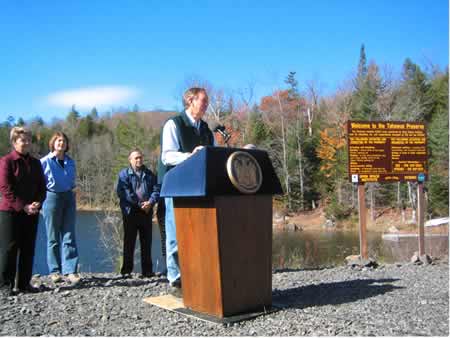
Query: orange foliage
[[331, 140], [290, 106]]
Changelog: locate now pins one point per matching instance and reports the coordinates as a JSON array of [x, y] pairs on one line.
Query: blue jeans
[[59, 212], [173, 267]]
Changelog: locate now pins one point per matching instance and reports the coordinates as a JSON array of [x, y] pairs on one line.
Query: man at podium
[[181, 136]]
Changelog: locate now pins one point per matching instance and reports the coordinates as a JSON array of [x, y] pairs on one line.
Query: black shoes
[[175, 289], [29, 289], [147, 275], [176, 284]]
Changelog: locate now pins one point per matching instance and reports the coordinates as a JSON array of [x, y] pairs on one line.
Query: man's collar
[[131, 171], [191, 119]]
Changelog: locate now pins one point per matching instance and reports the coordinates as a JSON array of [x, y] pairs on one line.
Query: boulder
[[421, 259], [393, 230], [293, 227], [358, 261], [415, 258], [329, 224], [425, 259]]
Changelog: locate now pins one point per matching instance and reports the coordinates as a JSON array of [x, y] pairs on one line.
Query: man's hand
[[146, 206], [197, 148]]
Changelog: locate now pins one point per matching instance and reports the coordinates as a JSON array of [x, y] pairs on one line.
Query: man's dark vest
[[187, 137]]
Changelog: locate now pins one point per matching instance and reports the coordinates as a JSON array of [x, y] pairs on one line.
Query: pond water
[[313, 249], [94, 255]]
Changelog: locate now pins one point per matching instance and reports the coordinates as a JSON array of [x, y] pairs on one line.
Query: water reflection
[[94, 255], [316, 249]]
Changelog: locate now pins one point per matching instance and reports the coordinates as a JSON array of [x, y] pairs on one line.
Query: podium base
[[174, 304]]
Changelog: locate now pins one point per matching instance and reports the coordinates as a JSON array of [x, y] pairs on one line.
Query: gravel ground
[[392, 300]]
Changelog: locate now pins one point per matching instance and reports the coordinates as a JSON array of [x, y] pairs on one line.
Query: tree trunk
[[308, 111], [300, 164], [285, 166]]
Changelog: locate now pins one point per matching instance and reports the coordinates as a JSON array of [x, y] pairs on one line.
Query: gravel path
[[393, 300]]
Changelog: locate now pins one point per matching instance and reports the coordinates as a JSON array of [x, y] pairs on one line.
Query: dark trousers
[[137, 222], [17, 240], [161, 217]]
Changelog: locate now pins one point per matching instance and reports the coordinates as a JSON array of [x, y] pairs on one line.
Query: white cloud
[[93, 97]]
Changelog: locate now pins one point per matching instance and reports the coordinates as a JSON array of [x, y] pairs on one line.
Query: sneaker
[[147, 275], [56, 277], [125, 276], [74, 278]]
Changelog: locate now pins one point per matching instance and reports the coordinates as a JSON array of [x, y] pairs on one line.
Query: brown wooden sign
[[386, 151]]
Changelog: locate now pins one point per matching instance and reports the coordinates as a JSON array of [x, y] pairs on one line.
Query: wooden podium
[[224, 236]]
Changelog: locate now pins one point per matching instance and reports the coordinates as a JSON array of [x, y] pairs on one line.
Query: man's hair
[[134, 150], [18, 132], [190, 94], [56, 135]]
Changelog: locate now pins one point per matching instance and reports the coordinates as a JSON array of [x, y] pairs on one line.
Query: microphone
[[218, 128]]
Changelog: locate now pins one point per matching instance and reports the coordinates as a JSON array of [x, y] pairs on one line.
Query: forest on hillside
[[302, 130]]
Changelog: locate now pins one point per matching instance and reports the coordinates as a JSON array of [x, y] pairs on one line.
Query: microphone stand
[[226, 137]]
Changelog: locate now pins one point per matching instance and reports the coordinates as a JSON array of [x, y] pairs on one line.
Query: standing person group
[[25, 183], [28, 185]]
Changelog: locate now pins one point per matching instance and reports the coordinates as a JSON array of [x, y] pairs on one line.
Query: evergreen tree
[[5, 146], [362, 68], [86, 127], [94, 113], [293, 84], [11, 120], [413, 103], [438, 136], [73, 116], [367, 86]]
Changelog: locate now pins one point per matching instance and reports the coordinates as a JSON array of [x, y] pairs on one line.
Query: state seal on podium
[[244, 172]]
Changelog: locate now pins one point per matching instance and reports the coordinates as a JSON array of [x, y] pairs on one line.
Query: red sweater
[[22, 181]]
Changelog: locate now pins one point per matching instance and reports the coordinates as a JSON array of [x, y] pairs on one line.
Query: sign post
[[362, 222], [385, 151], [421, 218]]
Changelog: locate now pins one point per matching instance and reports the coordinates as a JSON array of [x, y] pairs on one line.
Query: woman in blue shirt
[[59, 210]]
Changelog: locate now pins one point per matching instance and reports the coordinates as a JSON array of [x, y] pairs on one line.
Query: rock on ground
[[392, 300]]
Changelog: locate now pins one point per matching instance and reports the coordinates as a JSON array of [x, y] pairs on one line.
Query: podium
[[223, 214]]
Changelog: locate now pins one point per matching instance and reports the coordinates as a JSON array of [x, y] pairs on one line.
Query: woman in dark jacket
[[22, 191]]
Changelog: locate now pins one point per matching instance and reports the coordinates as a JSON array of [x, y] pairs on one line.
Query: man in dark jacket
[[138, 192]]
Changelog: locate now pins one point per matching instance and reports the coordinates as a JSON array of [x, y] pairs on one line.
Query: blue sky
[[121, 53]]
